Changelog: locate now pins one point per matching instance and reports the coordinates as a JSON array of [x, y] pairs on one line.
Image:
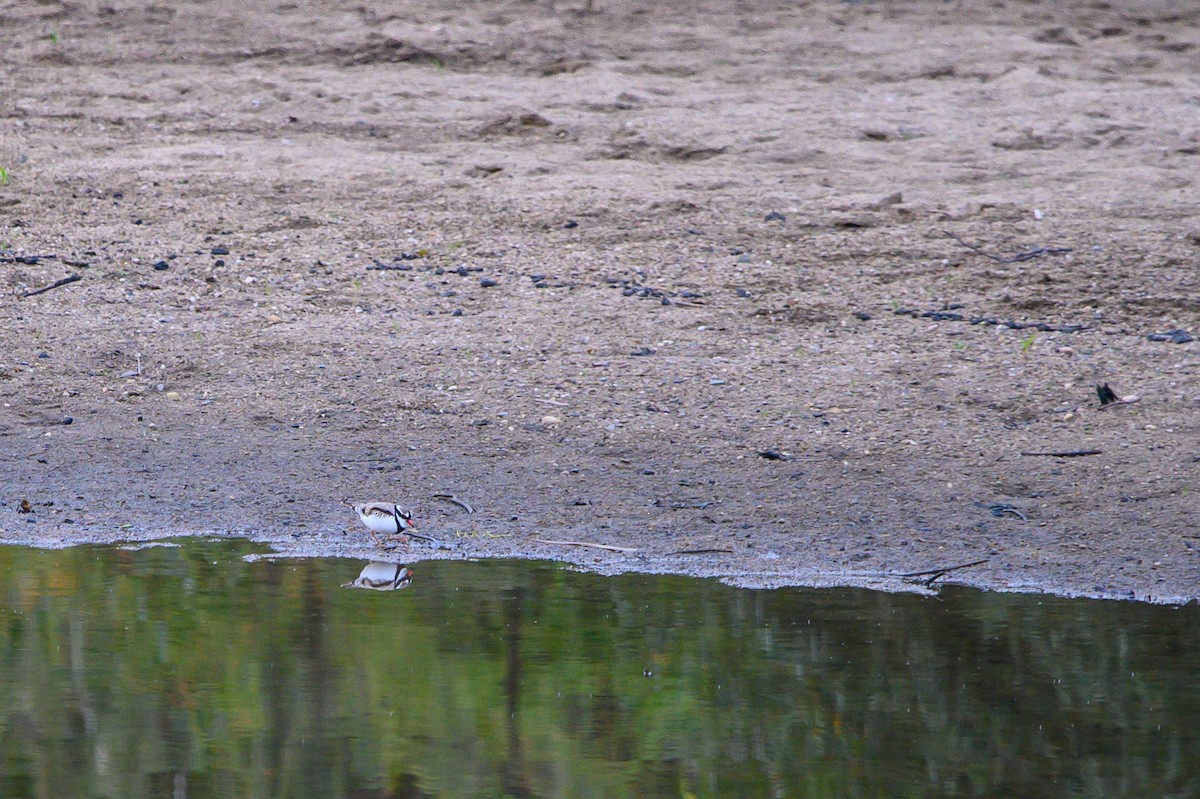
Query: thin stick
[[1029, 255], [1073, 453], [702, 552], [585, 544], [1118, 403], [944, 569], [410, 534], [456, 501], [44, 289], [28, 260], [937, 574]]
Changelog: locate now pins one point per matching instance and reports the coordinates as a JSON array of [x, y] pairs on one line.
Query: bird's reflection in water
[[382, 577]]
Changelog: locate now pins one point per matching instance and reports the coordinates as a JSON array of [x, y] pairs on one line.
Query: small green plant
[[53, 36], [3, 176], [959, 345], [1027, 344]]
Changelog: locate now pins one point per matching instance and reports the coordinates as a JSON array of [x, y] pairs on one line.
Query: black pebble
[[68, 420], [774, 216], [161, 266], [863, 315], [219, 262], [456, 312], [487, 283], [220, 251], [571, 223]]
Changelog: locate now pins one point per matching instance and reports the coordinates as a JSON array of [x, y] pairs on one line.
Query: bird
[[382, 577], [387, 518], [394, 521]]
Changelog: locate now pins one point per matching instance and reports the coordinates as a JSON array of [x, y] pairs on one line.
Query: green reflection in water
[[189, 672]]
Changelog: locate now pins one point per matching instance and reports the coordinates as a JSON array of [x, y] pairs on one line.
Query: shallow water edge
[[737, 569]]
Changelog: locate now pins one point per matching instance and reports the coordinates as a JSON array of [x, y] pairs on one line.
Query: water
[[179, 672]]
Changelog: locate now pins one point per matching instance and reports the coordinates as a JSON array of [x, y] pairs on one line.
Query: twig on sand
[[942, 572], [410, 534], [1028, 255], [1119, 403], [702, 552], [452, 498], [998, 509], [588, 544], [1071, 453], [52, 286]]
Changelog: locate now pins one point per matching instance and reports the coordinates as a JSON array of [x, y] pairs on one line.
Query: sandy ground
[[630, 248]]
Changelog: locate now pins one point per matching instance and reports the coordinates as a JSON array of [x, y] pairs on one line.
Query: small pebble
[[161, 266], [220, 251], [69, 420], [456, 312], [571, 223], [487, 283], [774, 216]]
